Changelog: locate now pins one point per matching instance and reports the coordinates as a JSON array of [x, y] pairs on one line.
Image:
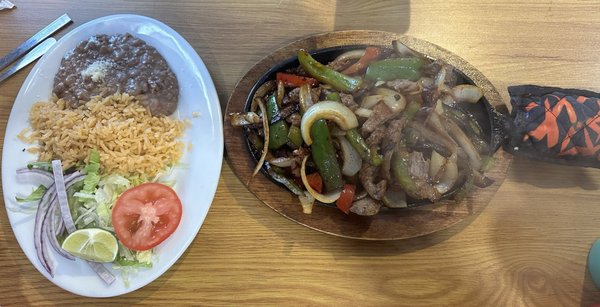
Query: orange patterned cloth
[[556, 124]]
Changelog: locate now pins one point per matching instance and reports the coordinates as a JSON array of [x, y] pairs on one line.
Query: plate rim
[[206, 83]]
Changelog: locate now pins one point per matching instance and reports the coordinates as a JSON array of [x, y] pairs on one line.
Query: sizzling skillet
[[392, 224]]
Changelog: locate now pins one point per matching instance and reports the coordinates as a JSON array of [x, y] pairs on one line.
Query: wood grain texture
[[527, 248]]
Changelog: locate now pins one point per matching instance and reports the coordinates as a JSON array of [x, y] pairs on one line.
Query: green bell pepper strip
[[396, 68], [415, 188], [356, 140], [366, 153], [411, 109], [278, 132], [401, 173], [323, 154], [295, 137], [333, 96], [375, 158], [327, 75]]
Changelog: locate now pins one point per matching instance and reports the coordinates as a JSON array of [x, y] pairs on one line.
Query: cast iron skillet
[[387, 224], [486, 116]]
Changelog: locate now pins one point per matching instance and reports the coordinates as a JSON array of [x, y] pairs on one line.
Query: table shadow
[[551, 176]]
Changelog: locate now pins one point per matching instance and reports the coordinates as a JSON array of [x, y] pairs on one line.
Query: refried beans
[[105, 65]]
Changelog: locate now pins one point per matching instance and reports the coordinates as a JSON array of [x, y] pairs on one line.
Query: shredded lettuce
[[90, 182], [27, 208], [83, 195], [137, 180], [128, 262], [93, 200], [92, 170], [44, 165], [145, 257], [103, 210], [93, 165], [117, 180], [133, 263], [34, 196]]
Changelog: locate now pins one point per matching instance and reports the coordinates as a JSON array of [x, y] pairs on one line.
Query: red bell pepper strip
[[345, 201], [315, 181], [291, 80], [371, 54]]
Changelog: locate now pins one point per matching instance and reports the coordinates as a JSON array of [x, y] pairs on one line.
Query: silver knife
[[34, 40], [28, 58]]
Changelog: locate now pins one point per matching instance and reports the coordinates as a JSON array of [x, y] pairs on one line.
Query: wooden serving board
[[389, 224]]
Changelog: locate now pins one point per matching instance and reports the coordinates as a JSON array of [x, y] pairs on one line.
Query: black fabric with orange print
[[555, 124]]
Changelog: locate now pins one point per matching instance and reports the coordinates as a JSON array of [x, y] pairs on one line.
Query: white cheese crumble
[[97, 70]]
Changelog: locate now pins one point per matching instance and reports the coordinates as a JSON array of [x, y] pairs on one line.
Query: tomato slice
[[146, 215], [345, 201]]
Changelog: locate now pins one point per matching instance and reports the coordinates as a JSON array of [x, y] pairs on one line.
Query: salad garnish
[[79, 212]]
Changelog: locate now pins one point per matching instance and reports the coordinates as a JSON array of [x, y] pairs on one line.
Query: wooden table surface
[[528, 247]]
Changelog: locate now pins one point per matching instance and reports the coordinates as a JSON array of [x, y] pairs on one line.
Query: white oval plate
[[196, 183]]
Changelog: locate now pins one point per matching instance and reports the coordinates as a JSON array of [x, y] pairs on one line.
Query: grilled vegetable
[[278, 131], [294, 137], [415, 140], [466, 93], [333, 96], [256, 141], [327, 75], [371, 54], [291, 80], [366, 153], [328, 198], [345, 201], [331, 110], [352, 160], [323, 155], [414, 188], [243, 119], [288, 183], [392, 69]]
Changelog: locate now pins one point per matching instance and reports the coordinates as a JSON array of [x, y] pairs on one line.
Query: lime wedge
[[92, 244]]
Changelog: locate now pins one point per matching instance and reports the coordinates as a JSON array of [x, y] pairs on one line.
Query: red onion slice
[[38, 237], [63, 203], [50, 231], [61, 193], [48, 225], [35, 175], [102, 272]]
